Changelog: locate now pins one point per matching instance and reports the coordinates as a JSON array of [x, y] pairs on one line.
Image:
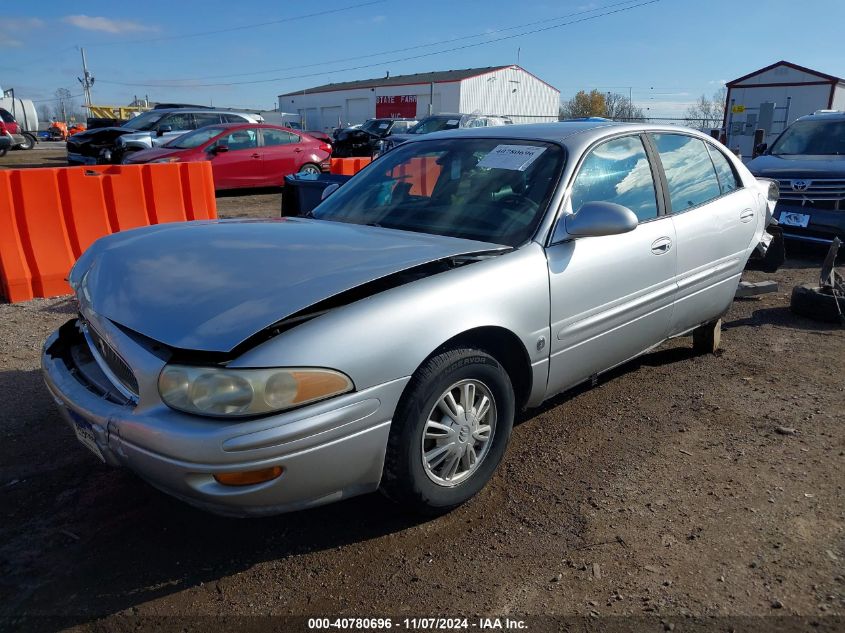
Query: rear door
[[611, 296], [240, 165], [282, 154], [715, 222]]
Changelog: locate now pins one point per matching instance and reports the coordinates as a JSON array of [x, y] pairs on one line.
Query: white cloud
[[12, 29], [94, 23]]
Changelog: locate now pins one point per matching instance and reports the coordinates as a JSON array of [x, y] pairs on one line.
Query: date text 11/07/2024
[[416, 624]]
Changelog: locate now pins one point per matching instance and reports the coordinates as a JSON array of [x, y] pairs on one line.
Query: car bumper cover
[[327, 451]]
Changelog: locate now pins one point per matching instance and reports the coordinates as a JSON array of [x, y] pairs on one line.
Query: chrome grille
[[116, 365], [826, 193]]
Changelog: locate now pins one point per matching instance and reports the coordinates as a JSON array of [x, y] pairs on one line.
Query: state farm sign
[[398, 107]]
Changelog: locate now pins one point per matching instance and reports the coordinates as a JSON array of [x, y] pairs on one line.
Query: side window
[[689, 171], [6, 116], [724, 170], [178, 121], [233, 118], [201, 119], [278, 137], [617, 171], [240, 139]]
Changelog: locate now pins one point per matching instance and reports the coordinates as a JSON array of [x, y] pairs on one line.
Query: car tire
[[310, 168], [707, 338], [816, 303], [28, 143], [3, 152], [424, 485]]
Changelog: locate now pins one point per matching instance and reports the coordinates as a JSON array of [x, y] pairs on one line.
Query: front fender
[[387, 336]]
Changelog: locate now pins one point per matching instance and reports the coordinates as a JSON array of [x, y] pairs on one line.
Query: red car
[[244, 154]]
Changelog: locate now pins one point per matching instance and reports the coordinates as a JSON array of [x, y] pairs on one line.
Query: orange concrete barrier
[[348, 166], [48, 217]]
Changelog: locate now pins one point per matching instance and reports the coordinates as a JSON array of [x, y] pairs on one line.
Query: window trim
[[721, 195], [656, 169]]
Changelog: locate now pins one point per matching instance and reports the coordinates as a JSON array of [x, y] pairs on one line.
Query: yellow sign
[[738, 109]]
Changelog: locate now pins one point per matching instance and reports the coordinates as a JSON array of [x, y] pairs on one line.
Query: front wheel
[[450, 431], [310, 168], [3, 152]]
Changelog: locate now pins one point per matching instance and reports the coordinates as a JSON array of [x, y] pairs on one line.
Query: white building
[[496, 90], [773, 97]]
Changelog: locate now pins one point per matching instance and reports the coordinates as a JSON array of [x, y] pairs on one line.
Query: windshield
[[492, 190], [426, 126], [818, 137], [144, 121], [378, 127], [196, 138]]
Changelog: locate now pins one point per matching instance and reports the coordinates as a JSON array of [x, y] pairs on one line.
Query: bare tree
[[620, 108], [706, 113], [45, 112], [64, 103]]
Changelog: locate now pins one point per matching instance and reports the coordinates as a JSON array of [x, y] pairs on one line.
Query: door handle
[[661, 245], [747, 215], [297, 150], [256, 156]]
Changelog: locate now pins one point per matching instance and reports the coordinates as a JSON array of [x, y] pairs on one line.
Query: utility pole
[[87, 79]]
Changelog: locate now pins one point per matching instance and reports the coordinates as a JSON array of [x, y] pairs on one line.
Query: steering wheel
[[517, 202]]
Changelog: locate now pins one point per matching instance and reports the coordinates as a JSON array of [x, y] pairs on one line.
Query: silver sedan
[[387, 340]]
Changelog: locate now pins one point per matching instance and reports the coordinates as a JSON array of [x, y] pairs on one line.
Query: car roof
[[201, 111], [570, 133], [833, 115]]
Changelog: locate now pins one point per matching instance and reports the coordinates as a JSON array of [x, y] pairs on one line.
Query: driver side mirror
[[164, 129], [219, 149], [595, 219], [760, 148]]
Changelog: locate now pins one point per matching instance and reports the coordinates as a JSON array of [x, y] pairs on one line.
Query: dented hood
[[210, 285]]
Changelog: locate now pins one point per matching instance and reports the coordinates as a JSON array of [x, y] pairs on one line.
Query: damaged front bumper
[[326, 451]]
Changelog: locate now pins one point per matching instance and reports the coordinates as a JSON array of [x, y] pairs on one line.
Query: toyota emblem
[[801, 185]]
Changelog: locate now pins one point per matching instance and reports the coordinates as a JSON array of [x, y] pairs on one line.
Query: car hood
[[808, 167], [148, 155], [208, 286], [97, 134]]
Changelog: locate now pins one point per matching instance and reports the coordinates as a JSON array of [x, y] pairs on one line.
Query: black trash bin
[[303, 192]]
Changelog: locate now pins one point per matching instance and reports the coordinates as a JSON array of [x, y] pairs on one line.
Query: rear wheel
[[310, 168], [3, 152], [28, 142], [450, 431]]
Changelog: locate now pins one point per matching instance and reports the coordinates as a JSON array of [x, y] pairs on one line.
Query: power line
[[382, 63], [403, 50], [243, 27]]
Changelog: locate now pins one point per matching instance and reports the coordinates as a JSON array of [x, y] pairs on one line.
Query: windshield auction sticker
[[515, 157]]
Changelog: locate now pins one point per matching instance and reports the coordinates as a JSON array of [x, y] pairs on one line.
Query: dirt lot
[[665, 492]]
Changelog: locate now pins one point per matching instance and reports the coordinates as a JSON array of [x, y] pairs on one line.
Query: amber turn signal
[[248, 477]]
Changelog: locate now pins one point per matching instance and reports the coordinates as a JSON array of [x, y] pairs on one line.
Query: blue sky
[[668, 51]]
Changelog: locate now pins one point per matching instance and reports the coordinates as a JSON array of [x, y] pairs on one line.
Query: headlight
[[171, 159], [221, 392]]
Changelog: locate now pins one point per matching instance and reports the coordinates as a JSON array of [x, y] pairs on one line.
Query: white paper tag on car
[[515, 157]]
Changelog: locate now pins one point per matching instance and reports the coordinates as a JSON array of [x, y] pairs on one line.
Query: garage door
[[358, 110], [310, 119], [331, 117]]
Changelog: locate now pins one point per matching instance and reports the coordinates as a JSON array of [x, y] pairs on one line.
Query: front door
[[240, 164], [611, 296]]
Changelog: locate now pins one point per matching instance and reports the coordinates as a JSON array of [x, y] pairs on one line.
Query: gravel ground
[[680, 486]]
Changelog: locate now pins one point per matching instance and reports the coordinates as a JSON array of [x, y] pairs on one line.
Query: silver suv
[[168, 124]]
